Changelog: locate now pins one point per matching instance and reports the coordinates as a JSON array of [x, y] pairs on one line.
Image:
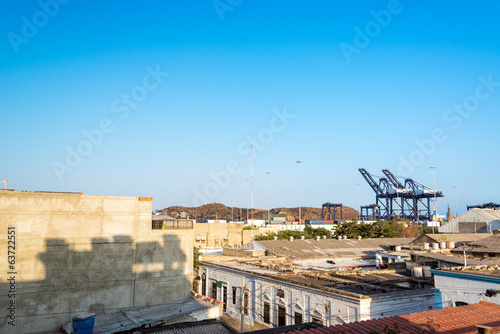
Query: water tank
[[398, 248], [417, 272], [451, 244], [426, 271], [290, 238], [442, 244], [435, 245], [426, 245]]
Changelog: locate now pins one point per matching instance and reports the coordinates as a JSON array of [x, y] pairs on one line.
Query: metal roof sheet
[[330, 248]]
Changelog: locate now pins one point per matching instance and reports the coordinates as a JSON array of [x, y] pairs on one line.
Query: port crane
[[393, 198]]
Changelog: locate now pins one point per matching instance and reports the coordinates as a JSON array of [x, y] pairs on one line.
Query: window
[[246, 303], [317, 321], [214, 290], [281, 316], [224, 298], [297, 316], [204, 284], [234, 295], [267, 320], [460, 304], [280, 293]]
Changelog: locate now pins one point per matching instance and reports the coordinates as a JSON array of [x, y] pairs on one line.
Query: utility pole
[[242, 304], [232, 207]]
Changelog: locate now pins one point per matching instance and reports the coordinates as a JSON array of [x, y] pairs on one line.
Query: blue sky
[[163, 99]]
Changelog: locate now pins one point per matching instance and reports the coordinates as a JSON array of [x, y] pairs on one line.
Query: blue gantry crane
[[410, 200]]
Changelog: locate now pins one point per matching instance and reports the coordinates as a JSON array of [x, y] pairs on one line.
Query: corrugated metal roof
[[487, 245], [489, 213], [458, 237], [452, 320], [330, 248], [197, 328]]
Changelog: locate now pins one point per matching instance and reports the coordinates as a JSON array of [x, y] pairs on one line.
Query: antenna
[[251, 178], [6, 183]]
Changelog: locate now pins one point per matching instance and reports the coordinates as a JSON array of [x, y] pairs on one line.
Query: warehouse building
[[474, 221]]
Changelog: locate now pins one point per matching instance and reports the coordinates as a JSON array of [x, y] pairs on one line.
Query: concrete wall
[[77, 253], [218, 234]]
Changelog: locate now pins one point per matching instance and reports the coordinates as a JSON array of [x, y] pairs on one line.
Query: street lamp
[[268, 198], [456, 199], [248, 197], [359, 203], [300, 216], [435, 198]]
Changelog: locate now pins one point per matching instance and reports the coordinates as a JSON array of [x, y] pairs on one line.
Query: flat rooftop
[[354, 283]]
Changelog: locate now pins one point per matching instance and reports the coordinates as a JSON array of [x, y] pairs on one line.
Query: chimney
[[481, 329], [290, 238], [339, 237], [302, 237], [317, 238], [324, 237], [275, 237]]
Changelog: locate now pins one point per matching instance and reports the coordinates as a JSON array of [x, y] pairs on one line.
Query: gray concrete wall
[[77, 253]]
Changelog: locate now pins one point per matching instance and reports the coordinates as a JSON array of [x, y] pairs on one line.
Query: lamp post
[[268, 198], [359, 203], [435, 198], [300, 216], [248, 197], [456, 199]]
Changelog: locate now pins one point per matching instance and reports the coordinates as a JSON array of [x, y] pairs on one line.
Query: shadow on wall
[[110, 275]]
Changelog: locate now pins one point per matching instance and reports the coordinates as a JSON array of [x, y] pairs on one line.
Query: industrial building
[[474, 220]]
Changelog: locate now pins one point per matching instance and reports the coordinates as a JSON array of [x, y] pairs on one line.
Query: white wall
[[460, 287]]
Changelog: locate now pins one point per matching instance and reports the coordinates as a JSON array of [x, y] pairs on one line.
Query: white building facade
[[278, 302]]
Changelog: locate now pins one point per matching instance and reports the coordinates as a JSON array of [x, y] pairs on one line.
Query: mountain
[[220, 211]]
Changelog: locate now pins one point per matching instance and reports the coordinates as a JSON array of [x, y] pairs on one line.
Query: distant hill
[[220, 211]]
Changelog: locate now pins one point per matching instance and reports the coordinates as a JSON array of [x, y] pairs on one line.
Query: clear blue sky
[[177, 91]]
